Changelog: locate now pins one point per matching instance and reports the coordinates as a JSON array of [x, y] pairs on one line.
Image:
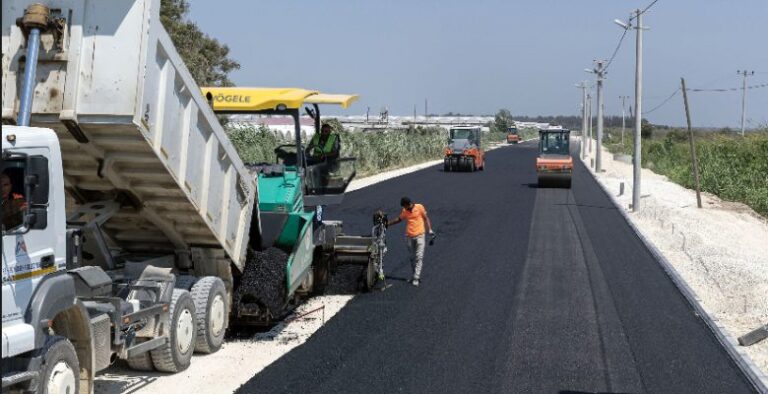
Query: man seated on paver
[[323, 147]]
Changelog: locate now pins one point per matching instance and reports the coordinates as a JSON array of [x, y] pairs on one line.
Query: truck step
[[18, 377]]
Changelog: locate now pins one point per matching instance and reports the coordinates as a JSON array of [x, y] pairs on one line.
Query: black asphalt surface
[[525, 290]]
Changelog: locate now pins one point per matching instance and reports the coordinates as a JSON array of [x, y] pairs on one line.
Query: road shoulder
[[716, 256]]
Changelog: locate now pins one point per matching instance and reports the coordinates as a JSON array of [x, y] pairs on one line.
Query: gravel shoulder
[[236, 362], [721, 250]]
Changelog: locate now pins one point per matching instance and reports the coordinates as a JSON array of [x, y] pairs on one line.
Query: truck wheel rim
[[184, 330], [62, 379], [217, 315]]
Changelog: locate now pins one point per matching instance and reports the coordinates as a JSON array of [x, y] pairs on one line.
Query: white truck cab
[[32, 243]]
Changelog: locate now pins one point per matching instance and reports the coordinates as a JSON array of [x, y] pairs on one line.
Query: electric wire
[[615, 51], [759, 86], [663, 102], [648, 7]]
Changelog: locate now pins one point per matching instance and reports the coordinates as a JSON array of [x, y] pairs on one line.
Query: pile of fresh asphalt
[[263, 281]]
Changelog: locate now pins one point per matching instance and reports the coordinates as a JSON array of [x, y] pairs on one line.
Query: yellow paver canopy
[[256, 99], [344, 100], [238, 99]]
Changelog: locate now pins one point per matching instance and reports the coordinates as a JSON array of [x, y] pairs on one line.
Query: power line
[[648, 7], [664, 102], [615, 51], [762, 85]]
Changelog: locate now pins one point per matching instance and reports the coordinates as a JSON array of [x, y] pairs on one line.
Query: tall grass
[[733, 167], [375, 151], [382, 150]]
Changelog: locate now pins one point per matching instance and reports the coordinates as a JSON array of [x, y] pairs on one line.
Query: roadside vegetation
[[375, 151], [732, 167]]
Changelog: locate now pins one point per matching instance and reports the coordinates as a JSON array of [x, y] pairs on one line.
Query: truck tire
[[210, 297], [60, 371], [176, 354], [142, 362], [472, 165]]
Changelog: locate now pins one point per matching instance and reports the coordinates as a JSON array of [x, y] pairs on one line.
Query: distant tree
[[646, 129], [502, 120], [206, 58]]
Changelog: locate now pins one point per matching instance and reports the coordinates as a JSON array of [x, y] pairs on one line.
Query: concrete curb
[[743, 361]]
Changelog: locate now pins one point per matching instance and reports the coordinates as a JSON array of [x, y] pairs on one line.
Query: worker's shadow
[[398, 278]]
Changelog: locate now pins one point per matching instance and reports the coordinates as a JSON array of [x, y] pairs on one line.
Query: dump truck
[[554, 164], [464, 151], [512, 135], [131, 222]]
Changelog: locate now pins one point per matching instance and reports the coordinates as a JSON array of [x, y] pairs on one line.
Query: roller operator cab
[[554, 164], [512, 135], [464, 151]]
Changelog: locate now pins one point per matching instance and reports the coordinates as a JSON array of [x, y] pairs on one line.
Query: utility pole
[[589, 117], [426, 114], [583, 86], [744, 74], [414, 112], [623, 116], [636, 162], [694, 160], [600, 75]]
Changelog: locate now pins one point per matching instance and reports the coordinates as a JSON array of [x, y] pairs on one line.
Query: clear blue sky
[[479, 56]]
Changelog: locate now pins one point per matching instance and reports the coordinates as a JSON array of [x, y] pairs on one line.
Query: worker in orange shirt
[[415, 216]]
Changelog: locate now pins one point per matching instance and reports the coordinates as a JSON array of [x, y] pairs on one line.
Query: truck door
[[29, 242]]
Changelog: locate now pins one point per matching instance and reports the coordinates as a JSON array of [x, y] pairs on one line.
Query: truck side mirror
[[37, 181], [37, 218]]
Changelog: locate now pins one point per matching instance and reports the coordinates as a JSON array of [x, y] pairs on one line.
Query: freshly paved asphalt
[[525, 290]]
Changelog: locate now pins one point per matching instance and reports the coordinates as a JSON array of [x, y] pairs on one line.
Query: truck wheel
[[176, 354], [142, 362], [60, 372], [210, 298], [471, 165], [446, 166]]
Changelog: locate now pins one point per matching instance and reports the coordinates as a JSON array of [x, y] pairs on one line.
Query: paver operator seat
[[323, 183]]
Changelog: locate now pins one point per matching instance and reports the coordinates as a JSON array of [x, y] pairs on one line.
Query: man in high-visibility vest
[[324, 146], [14, 204]]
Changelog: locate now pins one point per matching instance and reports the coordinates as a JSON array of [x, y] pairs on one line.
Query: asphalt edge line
[[755, 376]]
